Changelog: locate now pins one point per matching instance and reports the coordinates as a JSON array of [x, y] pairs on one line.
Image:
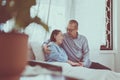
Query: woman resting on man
[[57, 53]]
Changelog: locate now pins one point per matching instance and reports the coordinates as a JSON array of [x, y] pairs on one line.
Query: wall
[[117, 56]]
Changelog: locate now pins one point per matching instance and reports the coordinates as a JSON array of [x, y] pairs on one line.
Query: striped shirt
[[77, 49]]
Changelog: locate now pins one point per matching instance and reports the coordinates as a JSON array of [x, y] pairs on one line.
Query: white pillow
[[37, 49]]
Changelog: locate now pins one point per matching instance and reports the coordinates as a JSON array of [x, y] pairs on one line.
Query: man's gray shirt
[[77, 49]]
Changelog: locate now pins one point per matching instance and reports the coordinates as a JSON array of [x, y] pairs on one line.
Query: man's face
[[72, 30]]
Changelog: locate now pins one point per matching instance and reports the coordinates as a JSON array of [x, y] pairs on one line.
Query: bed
[[86, 73], [76, 72]]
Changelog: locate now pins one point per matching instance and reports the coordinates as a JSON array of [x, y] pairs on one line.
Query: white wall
[[91, 17], [117, 56]]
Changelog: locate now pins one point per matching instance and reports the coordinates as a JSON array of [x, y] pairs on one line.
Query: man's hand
[[75, 63], [46, 49], [81, 63]]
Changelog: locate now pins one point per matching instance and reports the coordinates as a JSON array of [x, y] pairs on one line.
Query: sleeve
[[46, 42], [55, 55], [86, 60]]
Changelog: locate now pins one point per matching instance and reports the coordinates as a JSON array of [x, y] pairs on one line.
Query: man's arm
[[45, 47], [86, 60], [74, 63]]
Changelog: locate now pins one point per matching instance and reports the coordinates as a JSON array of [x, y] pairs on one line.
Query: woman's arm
[[45, 47], [55, 55]]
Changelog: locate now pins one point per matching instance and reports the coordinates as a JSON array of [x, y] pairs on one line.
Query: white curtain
[[35, 31], [55, 13]]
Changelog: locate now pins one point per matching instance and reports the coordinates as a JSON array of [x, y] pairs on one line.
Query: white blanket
[[76, 72], [86, 73]]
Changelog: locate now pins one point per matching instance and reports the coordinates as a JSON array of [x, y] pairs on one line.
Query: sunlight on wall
[[91, 17], [57, 16]]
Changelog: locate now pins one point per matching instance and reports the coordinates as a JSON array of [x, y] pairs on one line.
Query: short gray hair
[[74, 21]]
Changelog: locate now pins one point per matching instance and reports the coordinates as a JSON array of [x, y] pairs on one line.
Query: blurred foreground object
[[20, 10]]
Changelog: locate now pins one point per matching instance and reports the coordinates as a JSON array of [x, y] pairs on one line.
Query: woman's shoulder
[[52, 45]]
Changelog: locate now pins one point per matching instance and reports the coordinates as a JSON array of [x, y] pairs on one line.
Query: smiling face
[[59, 38]]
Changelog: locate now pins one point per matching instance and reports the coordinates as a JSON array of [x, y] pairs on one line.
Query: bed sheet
[[86, 73]]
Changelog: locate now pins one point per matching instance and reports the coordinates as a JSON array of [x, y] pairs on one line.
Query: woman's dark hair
[[53, 34]]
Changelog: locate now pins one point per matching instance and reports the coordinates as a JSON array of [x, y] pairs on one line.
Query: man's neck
[[75, 36]]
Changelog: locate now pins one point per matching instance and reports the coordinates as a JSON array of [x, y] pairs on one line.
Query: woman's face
[[59, 38]]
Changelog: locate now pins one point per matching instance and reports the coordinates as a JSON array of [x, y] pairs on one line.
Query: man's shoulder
[[81, 36]]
